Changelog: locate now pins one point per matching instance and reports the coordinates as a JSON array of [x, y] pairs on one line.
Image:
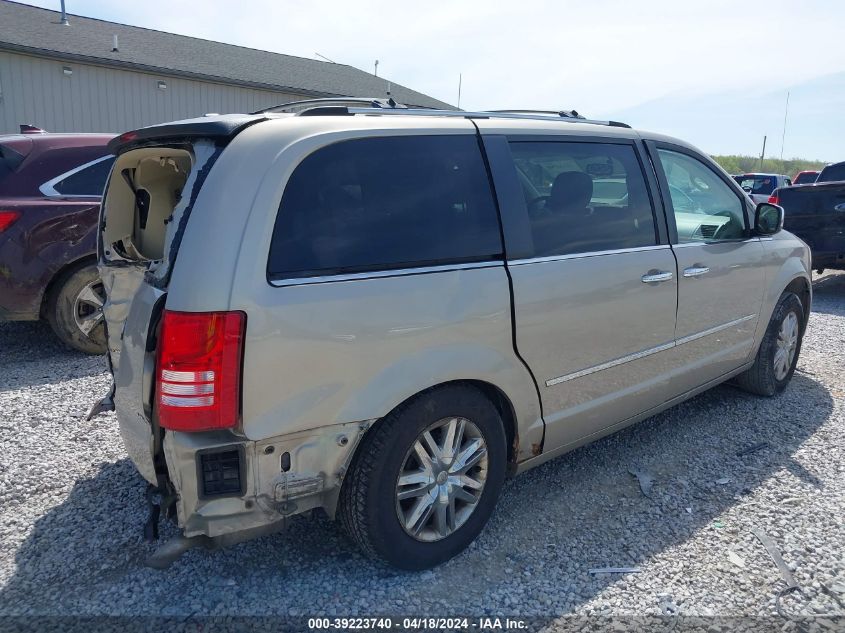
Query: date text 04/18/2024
[[417, 623]]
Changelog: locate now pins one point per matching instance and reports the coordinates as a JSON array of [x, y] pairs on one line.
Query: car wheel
[[778, 353], [75, 310], [426, 478]]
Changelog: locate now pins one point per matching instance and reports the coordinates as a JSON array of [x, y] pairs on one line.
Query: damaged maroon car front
[[50, 191]]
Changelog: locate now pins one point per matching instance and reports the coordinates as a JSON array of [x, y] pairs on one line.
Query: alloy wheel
[[88, 307], [441, 479], [785, 345]]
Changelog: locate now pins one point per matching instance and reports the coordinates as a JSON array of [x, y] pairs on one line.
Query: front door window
[[706, 209]]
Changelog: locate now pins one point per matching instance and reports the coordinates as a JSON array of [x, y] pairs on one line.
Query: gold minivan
[[381, 312]]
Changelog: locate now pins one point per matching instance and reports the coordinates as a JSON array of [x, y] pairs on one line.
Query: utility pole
[[782, 138], [763, 153]]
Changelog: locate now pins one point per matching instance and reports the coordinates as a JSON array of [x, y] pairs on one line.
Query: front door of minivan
[[720, 268], [593, 278]]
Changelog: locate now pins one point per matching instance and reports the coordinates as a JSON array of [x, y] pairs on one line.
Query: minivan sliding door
[[594, 281]]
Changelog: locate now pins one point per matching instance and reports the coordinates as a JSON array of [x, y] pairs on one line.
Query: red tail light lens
[[773, 199], [7, 219], [199, 370]]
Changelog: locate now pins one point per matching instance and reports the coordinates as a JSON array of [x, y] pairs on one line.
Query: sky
[[715, 73]]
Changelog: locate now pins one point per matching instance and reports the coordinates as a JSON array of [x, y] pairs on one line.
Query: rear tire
[[779, 350], [74, 310], [384, 486]]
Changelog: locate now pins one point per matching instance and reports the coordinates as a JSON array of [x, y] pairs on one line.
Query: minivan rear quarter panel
[[327, 351]]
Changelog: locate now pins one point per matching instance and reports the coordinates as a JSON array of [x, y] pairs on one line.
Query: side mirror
[[768, 219]]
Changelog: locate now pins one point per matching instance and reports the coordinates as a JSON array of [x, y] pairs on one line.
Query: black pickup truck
[[816, 213]]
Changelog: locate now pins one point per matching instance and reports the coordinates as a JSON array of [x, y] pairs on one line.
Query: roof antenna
[[114, 48], [460, 81], [63, 21]]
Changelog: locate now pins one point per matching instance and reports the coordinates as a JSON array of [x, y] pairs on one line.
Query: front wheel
[[425, 480], [778, 353]]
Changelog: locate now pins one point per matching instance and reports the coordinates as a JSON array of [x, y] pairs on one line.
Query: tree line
[[737, 164]]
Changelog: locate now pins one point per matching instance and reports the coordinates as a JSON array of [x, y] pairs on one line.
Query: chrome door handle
[[695, 271], [656, 277], [839, 207]]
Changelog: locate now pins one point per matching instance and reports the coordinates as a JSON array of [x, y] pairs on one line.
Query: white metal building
[[98, 76]]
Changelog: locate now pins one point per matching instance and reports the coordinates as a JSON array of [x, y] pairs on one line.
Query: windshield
[[758, 184]]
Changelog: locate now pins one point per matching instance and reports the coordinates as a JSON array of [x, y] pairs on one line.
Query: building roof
[[37, 31]]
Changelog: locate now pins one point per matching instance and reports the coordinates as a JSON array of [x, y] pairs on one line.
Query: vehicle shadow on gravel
[[584, 510], [829, 294], [27, 347]]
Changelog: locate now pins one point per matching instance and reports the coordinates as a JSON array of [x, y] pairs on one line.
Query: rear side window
[[385, 203], [832, 173], [90, 180], [584, 197]]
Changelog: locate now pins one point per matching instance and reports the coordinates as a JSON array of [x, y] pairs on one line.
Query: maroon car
[[50, 189]]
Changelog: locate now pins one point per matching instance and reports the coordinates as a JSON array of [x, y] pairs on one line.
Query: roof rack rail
[[333, 101], [484, 114], [334, 106], [564, 114]]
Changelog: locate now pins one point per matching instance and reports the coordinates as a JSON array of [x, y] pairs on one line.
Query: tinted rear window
[[762, 185], [832, 172], [803, 179], [89, 181], [385, 203]]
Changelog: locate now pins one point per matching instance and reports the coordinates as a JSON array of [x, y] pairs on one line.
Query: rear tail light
[[773, 199], [7, 219], [199, 370]]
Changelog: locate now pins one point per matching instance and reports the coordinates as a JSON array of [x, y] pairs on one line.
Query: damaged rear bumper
[[226, 485]]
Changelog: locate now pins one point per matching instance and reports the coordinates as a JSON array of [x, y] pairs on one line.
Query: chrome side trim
[[555, 258], [713, 330], [613, 363], [742, 240], [376, 274], [647, 352], [49, 188]]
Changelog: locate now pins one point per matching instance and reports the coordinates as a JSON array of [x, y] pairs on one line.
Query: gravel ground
[[72, 508]]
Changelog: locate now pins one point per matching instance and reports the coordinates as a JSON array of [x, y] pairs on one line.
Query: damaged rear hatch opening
[[151, 191]]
